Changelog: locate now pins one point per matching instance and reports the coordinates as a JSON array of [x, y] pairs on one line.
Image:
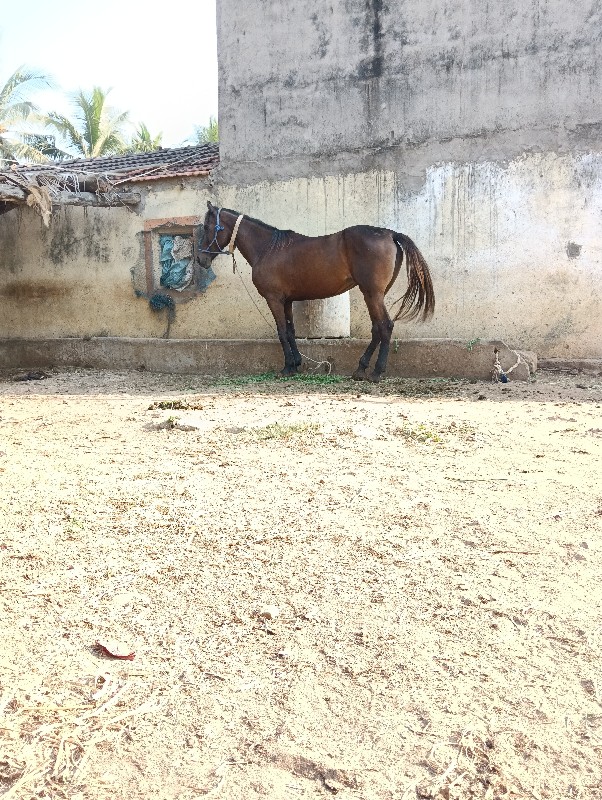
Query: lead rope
[[318, 364]]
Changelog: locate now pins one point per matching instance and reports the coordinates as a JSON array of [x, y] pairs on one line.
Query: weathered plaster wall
[[71, 279], [79, 277], [474, 127], [515, 251], [351, 77]]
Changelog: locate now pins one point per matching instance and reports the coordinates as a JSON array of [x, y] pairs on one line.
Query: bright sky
[[160, 61]]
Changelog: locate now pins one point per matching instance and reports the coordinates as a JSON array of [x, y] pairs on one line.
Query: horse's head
[[217, 230]]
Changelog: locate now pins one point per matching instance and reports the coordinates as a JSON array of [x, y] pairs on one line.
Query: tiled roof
[[177, 162]]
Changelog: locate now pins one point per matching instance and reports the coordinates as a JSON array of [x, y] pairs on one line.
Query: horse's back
[[366, 234], [368, 243]]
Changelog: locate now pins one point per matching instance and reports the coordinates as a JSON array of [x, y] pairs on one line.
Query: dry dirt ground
[[330, 588]]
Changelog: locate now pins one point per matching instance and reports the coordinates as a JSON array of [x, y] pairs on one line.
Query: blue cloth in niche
[[174, 274], [177, 274]]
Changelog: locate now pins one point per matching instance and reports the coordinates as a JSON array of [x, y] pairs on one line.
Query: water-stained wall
[[514, 248], [350, 78], [70, 279], [474, 127]]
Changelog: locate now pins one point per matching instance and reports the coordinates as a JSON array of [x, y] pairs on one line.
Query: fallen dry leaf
[[115, 649]]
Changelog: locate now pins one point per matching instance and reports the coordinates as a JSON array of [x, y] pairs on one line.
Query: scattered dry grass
[[375, 592]]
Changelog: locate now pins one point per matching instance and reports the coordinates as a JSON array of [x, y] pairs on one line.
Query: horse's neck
[[252, 240]]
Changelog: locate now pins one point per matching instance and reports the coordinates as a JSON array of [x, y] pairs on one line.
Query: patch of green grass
[[419, 433], [308, 378], [340, 384], [420, 387], [175, 405], [279, 431], [316, 379], [245, 380], [425, 434]]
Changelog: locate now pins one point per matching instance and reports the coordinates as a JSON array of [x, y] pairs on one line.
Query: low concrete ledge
[[587, 366], [413, 358]]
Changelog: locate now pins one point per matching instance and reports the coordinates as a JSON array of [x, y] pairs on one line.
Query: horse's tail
[[420, 295]]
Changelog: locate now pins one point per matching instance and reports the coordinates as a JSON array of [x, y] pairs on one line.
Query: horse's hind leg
[[382, 328], [386, 329], [290, 361], [290, 332], [360, 372]]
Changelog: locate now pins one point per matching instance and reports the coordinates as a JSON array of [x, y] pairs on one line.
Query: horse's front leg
[[290, 361], [290, 332]]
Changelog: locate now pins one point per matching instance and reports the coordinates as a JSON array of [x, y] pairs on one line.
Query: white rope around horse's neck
[[231, 243]]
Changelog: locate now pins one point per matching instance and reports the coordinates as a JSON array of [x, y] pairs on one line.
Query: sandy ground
[[325, 588]]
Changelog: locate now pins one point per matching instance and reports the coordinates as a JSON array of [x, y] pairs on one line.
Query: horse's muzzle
[[204, 260]]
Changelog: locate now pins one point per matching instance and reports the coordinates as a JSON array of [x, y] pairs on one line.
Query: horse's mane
[[279, 238], [252, 219]]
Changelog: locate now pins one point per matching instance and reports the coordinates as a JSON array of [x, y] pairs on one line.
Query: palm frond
[[95, 129], [16, 109], [67, 130], [11, 92], [207, 133]]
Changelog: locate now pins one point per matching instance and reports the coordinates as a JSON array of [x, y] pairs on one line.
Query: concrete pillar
[[323, 319]]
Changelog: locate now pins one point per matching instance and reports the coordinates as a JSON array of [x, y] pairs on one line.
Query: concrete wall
[[71, 279], [475, 128], [300, 81], [515, 250]]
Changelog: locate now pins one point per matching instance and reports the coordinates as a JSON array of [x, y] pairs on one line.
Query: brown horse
[[287, 266]]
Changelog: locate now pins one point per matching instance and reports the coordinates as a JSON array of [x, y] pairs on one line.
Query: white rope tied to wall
[[498, 374]]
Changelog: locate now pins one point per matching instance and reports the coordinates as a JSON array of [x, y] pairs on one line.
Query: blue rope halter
[[214, 241]]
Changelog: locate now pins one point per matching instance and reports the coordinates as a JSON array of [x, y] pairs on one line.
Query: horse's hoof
[[359, 375], [373, 378], [288, 372]]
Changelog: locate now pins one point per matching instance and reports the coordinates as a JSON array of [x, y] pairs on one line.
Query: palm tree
[[45, 144], [96, 129], [207, 133], [16, 143], [143, 142]]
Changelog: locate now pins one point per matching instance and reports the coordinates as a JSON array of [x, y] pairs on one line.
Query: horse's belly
[[320, 290], [318, 281]]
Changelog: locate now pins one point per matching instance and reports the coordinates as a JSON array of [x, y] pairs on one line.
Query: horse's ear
[[209, 206]]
